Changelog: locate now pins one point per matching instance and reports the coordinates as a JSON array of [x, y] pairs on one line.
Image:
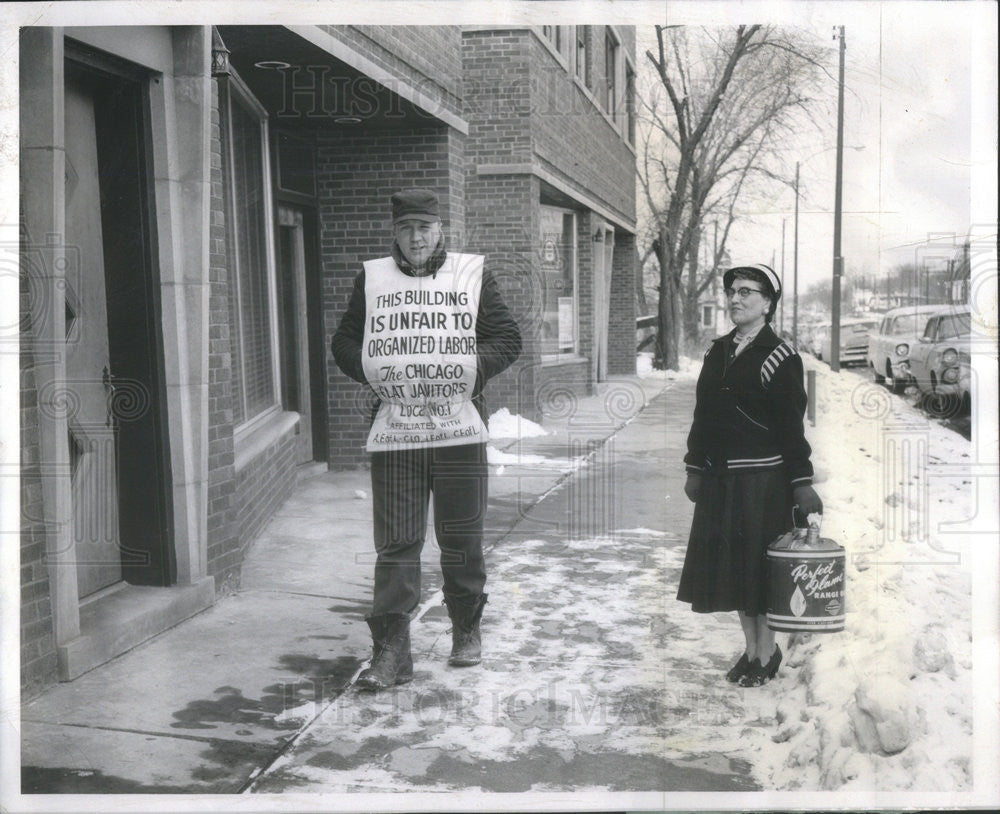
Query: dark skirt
[[736, 517]]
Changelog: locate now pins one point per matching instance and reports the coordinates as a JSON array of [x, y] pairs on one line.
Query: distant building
[[196, 203], [959, 276]]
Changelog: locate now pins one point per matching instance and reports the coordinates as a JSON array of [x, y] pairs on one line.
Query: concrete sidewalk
[[209, 705]]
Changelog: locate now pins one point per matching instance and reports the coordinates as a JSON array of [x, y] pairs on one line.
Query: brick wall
[[261, 487], [497, 96], [426, 57], [357, 173], [571, 137], [559, 383], [524, 107], [223, 544], [621, 328], [39, 666], [502, 212]]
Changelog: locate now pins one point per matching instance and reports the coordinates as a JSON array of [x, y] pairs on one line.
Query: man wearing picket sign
[[425, 329]]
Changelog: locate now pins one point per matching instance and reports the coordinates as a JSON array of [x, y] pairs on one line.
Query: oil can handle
[[812, 519], [815, 520]]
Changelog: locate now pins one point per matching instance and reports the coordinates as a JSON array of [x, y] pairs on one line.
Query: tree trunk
[[669, 321], [640, 285], [690, 304]]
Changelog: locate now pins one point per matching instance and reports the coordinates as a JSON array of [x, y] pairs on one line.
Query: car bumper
[[853, 356]]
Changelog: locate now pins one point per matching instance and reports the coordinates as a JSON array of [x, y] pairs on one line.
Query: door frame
[[315, 334], [147, 558], [295, 329]]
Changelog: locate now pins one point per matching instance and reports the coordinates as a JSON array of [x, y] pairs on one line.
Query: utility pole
[[795, 266], [781, 302], [838, 260]]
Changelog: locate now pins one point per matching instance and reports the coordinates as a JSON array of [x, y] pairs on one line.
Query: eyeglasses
[[742, 292]]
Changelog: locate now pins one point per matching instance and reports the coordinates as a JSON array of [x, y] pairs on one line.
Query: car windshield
[[908, 324], [954, 325]]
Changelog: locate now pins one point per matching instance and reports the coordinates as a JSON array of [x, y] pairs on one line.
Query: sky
[[911, 103]]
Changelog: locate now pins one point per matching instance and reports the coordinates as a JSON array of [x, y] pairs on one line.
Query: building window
[[248, 225], [558, 37], [559, 334], [611, 73], [582, 62], [554, 34], [630, 102]]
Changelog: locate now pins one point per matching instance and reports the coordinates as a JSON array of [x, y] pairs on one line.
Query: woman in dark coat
[[748, 465]]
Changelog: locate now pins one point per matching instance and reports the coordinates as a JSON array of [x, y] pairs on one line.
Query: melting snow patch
[[649, 532], [502, 424], [497, 457], [299, 713]]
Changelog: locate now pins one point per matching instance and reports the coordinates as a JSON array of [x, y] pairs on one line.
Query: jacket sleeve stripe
[[776, 357]]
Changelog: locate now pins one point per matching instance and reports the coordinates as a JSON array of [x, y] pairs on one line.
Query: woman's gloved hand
[[807, 500], [692, 485]]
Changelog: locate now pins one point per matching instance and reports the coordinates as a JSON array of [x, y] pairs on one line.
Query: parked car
[[964, 381], [853, 341], [889, 346], [813, 338], [935, 360]]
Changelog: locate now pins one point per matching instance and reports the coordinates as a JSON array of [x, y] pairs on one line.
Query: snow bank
[[502, 424], [689, 368], [885, 705]]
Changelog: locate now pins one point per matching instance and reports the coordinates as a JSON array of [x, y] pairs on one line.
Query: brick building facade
[[188, 329]]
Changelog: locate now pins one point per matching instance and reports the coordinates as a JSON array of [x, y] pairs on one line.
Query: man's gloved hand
[[807, 500], [692, 486]]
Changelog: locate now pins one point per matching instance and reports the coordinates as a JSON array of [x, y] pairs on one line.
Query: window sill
[[265, 432]]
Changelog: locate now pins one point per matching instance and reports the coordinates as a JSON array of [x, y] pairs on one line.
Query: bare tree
[[732, 96]]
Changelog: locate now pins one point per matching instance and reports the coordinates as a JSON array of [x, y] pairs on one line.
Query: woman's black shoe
[[759, 674], [738, 670], [754, 676]]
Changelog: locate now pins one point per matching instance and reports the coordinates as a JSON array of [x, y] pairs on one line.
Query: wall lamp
[[220, 55]]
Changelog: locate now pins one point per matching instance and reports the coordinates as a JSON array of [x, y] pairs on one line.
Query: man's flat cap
[[416, 204]]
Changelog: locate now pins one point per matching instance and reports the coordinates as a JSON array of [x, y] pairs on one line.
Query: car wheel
[[879, 379], [898, 382], [940, 405]]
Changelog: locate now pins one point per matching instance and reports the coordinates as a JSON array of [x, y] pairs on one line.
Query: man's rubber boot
[[466, 644], [392, 662]]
